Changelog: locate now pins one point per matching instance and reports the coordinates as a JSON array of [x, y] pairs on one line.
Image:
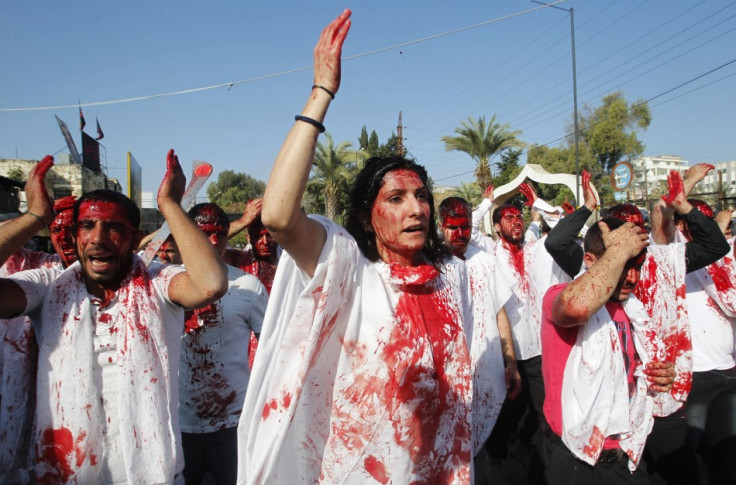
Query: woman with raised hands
[[363, 370]]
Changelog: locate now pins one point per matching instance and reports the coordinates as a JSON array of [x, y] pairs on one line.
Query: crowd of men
[[610, 359]]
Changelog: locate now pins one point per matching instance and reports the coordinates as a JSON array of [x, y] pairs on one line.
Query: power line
[[635, 105], [229, 85]]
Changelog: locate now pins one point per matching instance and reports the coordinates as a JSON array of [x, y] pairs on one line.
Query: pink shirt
[[557, 342]]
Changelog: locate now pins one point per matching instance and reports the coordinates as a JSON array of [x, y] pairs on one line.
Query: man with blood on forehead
[[363, 371], [492, 350], [527, 269], [661, 289], [259, 258], [109, 335], [18, 352], [711, 403], [214, 370]]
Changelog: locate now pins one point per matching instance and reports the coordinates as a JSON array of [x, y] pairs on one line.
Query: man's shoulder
[[242, 279]]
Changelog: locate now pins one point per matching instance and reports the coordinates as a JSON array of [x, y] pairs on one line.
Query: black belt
[[606, 456]]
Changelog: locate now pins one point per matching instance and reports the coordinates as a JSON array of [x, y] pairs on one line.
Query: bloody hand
[[38, 200], [528, 192]]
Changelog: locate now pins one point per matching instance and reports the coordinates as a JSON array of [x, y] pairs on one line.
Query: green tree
[[363, 140], [16, 174], [373, 144], [469, 192], [508, 167], [610, 131], [232, 190], [481, 141], [332, 169]]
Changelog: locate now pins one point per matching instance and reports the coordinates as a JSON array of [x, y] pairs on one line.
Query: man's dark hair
[[364, 192], [698, 204], [132, 212], [209, 213], [449, 208]]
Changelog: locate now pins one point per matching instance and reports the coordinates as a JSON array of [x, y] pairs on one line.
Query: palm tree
[[469, 192], [481, 141], [333, 166]]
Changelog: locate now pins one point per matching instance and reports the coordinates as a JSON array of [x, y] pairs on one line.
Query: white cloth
[[661, 289], [530, 272], [489, 378], [350, 384], [214, 372], [18, 355], [595, 391], [148, 327]]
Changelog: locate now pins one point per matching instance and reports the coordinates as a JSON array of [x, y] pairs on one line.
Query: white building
[[721, 179], [650, 175]]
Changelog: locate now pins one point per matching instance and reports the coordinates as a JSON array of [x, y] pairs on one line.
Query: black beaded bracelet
[[332, 95], [311, 121]]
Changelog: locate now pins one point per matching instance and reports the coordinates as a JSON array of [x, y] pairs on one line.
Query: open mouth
[[417, 228], [99, 263]]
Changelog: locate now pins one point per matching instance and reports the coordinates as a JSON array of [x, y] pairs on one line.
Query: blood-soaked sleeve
[[561, 245], [708, 244]]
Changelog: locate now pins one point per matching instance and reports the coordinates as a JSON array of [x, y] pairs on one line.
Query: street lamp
[[574, 94]]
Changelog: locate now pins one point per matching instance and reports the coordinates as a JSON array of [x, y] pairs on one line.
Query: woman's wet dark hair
[[365, 190]]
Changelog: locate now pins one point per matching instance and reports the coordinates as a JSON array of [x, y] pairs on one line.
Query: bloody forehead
[[628, 213], [457, 207], [63, 218], [211, 228], [509, 209], [102, 210], [64, 203], [460, 221]]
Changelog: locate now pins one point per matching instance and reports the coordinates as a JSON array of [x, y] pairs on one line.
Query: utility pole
[[400, 137], [571, 11]]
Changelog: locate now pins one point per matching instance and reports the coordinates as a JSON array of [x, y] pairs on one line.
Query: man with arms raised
[[108, 331]]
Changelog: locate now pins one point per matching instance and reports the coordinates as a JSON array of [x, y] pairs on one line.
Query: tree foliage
[[609, 131], [232, 190], [333, 172], [481, 141], [508, 167]]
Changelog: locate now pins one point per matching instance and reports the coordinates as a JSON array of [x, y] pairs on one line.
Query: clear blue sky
[[56, 53]]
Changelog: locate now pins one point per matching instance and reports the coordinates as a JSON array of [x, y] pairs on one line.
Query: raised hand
[[328, 51], [37, 198], [174, 182], [676, 196], [568, 207], [588, 195], [695, 174], [252, 210], [528, 192], [488, 193]]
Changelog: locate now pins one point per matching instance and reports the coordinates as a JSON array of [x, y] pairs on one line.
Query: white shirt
[[70, 427], [362, 374], [214, 372]]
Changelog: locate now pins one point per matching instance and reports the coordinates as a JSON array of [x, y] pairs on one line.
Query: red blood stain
[[286, 400], [59, 451], [203, 170], [594, 443], [646, 289], [376, 469], [720, 275]]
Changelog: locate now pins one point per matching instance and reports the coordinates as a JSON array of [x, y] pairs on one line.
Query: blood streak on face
[[207, 221], [400, 217], [62, 236], [511, 225], [456, 229], [264, 245], [104, 244]]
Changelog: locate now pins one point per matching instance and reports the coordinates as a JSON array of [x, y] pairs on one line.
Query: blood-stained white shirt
[[362, 374], [147, 327], [214, 371], [489, 379], [531, 271], [17, 374]]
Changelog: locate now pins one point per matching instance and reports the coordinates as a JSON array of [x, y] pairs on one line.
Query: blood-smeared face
[[511, 226], [62, 236], [209, 222], [168, 252], [400, 217], [627, 213], [104, 242], [629, 279], [264, 245], [456, 230]]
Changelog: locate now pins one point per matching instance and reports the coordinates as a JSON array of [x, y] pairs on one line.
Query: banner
[[91, 153], [69, 141], [135, 181]]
